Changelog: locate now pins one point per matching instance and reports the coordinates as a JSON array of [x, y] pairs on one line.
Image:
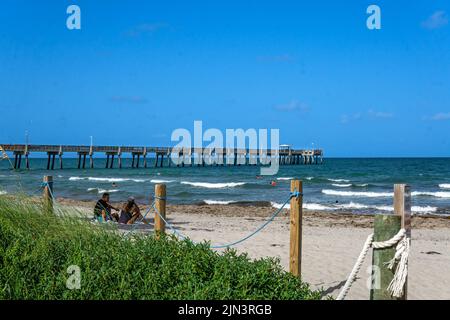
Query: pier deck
[[179, 157]]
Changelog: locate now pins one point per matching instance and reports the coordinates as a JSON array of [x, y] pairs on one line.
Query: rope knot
[[295, 194], [399, 263]]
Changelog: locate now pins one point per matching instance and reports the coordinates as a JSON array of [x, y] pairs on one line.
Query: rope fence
[[400, 261], [231, 244], [390, 241]]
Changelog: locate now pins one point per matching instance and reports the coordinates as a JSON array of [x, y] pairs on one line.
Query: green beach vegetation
[[37, 247]]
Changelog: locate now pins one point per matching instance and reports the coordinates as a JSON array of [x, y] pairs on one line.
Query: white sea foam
[[218, 202], [307, 206], [214, 185], [285, 178], [115, 179], [362, 185], [277, 205], [346, 185], [438, 194], [418, 209], [352, 205], [444, 186], [339, 180], [316, 206], [160, 181], [384, 208], [106, 179], [76, 178], [3, 192], [98, 179], [355, 205], [427, 209], [309, 178], [102, 190], [357, 194]]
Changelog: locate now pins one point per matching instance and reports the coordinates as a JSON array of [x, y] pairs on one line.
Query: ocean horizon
[[357, 185]]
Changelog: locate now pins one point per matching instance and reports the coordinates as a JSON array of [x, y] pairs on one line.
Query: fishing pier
[[168, 156]]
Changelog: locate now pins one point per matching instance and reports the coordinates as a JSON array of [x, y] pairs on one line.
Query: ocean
[[358, 185]]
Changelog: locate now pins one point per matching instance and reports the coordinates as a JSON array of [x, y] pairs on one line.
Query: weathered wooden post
[[48, 192], [160, 205], [402, 205], [386, 226], [402, 208], [296, 216]]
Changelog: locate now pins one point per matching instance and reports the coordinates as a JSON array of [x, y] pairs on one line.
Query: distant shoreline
[[311, 217]]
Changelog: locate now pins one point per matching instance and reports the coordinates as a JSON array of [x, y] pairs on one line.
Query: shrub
[[36, 248]]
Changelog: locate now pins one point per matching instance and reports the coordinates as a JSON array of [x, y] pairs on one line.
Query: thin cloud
[[292, 106], [276, 58], [145, 28], [129, 99], [437, 20], [370, 114], [439, 116], [380, 114], [346, 118]]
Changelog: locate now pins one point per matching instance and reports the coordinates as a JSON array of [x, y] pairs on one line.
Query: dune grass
[[37, 247]]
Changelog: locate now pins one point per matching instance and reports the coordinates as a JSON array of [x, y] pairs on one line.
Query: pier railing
[[180, 156]]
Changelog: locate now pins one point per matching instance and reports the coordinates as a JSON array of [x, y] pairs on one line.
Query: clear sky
[[139, 69]]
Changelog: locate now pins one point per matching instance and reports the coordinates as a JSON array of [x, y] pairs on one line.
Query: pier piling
[[187, 156]]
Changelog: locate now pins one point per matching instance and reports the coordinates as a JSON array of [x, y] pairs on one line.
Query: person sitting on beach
[[130, 212], [102, 209]]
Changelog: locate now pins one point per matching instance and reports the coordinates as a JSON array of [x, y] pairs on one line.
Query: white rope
[[356, 267], [400, 260], [397, 284]]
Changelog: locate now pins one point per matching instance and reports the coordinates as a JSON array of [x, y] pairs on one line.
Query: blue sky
[[139, 69]]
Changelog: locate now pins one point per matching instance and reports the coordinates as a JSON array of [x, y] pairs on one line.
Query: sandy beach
[[331, 243]]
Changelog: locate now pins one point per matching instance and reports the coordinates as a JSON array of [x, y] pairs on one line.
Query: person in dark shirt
[[130, 212], [102, 209]]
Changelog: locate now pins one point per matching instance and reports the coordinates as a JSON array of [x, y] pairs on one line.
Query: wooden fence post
[[160, 204], [48, 192], [402, 208], [402, 205], [385, 227], [296, 216]]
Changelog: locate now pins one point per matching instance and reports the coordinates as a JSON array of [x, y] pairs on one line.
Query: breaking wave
[[210, 185], [357, 193]]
